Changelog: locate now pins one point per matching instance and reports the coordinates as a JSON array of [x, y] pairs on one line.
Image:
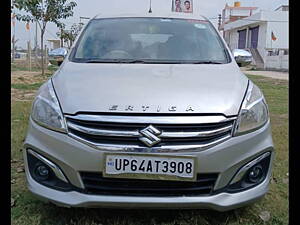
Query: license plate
[[153, 167]]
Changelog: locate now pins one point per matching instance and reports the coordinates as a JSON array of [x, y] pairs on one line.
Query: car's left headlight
[[254, 111], [46, 109]]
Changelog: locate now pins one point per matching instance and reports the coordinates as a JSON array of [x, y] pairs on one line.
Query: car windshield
[[149, 40]]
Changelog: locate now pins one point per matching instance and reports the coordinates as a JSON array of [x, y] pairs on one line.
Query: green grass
[[22, 86], [30, 211], [25, 67], [22, 67]]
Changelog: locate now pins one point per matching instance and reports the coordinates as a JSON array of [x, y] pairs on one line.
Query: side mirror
[[57, 56], [242, 57], [57, 61]]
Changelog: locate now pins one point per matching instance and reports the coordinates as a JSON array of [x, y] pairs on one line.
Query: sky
[[90, 8]]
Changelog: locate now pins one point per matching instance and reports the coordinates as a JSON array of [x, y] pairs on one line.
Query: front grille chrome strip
[[118, 133], [137, 148], [103, 132], [132, 133], [152, 119], [195, 134]]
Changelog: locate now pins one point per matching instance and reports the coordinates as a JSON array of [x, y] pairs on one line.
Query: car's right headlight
[[46, 109], [254, 111]]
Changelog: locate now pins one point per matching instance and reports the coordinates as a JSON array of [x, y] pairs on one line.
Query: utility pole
[[29, 54], [14, 41], [14, 36], [36, 44], [36, 38], [61, 38]]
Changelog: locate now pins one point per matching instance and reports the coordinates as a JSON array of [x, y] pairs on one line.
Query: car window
[[149, 39]]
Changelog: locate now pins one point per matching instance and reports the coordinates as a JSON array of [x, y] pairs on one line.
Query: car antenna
[[150, 10]]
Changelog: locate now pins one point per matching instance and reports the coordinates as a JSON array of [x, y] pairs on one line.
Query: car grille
[[94, 183], [109, 133]]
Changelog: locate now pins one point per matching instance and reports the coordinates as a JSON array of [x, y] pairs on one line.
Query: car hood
[[150, 88]]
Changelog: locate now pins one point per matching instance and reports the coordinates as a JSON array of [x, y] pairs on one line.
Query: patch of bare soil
[[26, 77], [271, 74], [284, 116], [22, 95], [273, 81]]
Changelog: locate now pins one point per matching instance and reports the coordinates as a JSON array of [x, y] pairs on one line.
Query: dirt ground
[[22, 95], [25, 77], [271, 74]]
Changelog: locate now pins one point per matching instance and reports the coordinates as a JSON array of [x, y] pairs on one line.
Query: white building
[[266, 35], [236, 12]]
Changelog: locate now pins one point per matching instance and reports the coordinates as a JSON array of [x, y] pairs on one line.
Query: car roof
[[174, 15]]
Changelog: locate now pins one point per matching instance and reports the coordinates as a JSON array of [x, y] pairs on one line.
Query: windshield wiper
[[130, 61], [102, 61], [135, 61], [150, 61], [207, 62], [115, 61]]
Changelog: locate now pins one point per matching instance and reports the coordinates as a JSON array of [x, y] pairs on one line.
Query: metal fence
[[30, 59]]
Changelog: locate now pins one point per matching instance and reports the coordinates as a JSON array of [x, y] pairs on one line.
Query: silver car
[[149, 111]]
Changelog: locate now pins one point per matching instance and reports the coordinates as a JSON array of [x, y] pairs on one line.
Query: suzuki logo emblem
[[150, 136]]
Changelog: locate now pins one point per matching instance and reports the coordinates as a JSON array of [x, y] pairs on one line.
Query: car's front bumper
[[220, 202], [73, 156]]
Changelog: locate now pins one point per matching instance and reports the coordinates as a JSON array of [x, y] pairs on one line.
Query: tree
[[14, 47], [44, 11], [69, 36], [63, 36]]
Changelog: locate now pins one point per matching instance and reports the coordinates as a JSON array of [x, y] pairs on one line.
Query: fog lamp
[[251, 174], [255, 174], [42, 172]]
